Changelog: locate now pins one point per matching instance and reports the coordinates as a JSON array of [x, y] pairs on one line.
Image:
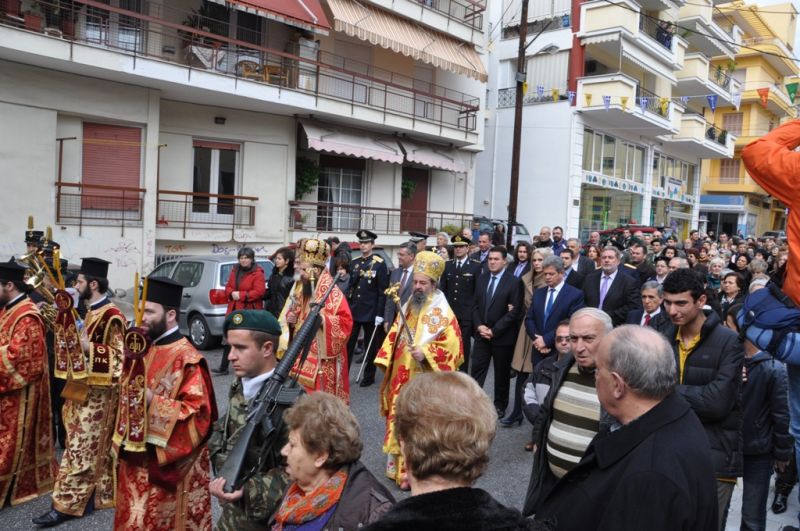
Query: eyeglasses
[[560, 339]]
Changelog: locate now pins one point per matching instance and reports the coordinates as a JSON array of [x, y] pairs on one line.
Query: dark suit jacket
[[622, 297], [513, 267], [484, 264], [495, 313], [569, 301], [390, 311], [586, 265], [574, 279], [459, 287], [658, 322]]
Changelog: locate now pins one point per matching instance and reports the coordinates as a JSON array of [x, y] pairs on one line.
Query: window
[[215, 174], [732, 122], [613, 157], [729, 171], [111, 29], [248, 28], [111, 157], [547, 70], [163, 271], [341, 182], [188, 274]]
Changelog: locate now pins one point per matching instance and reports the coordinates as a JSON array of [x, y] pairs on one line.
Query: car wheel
[[199, 333]]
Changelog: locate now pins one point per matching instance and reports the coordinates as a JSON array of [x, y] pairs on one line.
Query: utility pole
[[517, 142]]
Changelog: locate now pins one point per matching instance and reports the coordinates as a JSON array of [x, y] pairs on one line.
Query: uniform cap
[[258, 320], [458, 239], [365, 236]]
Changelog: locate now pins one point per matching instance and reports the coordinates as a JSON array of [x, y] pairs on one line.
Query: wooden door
[[414, 208]]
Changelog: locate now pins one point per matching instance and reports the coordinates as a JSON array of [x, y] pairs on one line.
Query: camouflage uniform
[[262, 492]]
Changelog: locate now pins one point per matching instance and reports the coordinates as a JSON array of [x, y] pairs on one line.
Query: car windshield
[[225, 270], [520, 229]]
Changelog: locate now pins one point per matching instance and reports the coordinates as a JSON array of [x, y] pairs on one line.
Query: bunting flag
[[664, 103], [555, 94], [570, 96], [540, 91], [684, 100], [524, 87], [607, 102], [736, 99], [624, 101], [588, 98], [763, 93], [791, 90], [643, 103], [712, 101]]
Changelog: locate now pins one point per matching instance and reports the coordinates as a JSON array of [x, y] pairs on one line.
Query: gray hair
[[617, 252], [575, 240], [643, 359], [410, 247], [554, 262], [717, 260], [596, 314], [652, 284], [683, 263], [444, 235], [757, 265]]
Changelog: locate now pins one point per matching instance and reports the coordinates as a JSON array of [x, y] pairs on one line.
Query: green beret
[[258, 320]]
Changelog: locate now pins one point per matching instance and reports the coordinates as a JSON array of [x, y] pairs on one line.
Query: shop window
[[732, 122]]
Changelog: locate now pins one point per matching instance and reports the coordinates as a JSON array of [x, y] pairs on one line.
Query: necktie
[[460, 265], [403, 279], [604, 290], [518, 272], [549, 306], [646, 319], [489, 295]]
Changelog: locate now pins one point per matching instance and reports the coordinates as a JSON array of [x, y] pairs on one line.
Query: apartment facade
[[145, 129], [614, 129], [731, 201]]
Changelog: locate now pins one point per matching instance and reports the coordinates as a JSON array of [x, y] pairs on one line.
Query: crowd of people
[[645, 400]]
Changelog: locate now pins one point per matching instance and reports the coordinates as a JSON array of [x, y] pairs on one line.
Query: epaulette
[[473, 260], [376, 258], [631, 266]]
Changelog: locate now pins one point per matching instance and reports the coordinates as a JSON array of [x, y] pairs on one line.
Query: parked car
[[203, 307], [775, 234], [521, 233]]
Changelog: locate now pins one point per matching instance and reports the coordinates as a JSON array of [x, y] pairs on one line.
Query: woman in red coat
[[245, 291]]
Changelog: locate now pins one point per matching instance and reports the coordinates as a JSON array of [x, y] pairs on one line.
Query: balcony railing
[[335, 217], [465, 11], [653, 103], [719, 77], [716, 134], [94, 204], [507, 97], [303, 69], [660, 31], [195, 210]]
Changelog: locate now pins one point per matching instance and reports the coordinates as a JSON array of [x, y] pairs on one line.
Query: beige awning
[[390, 31], [433, 157], [352, 142]]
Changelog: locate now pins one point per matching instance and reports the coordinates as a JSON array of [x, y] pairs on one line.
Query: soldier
[[458, 285], [253, 337], [369, 278], [420, 239]]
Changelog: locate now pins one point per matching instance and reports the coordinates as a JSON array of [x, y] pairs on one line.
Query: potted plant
[[407, 187], [33, 17], [722, 137], [306, 177]]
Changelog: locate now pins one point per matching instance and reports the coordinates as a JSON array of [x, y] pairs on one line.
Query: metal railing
[[336, 217], [653, 102], [179, 209], [716, 134], [94, 204], [507, 97], [194, 43], [465, 11], [718, 76], [660, 31]]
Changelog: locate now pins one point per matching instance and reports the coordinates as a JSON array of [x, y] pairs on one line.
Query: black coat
[[765, 428], [369, 279], [278, 288], [654, 473], [574, 279], [712, 380], [622, 296], [463, 508], [459, 287], [503, 321]]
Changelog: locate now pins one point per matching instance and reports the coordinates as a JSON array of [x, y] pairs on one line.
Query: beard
[[85, 294], [418, 299], [156, 330]]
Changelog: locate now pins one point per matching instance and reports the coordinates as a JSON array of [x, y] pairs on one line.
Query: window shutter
[[111, 157]]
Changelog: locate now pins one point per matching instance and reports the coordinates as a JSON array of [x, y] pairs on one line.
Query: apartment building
[[614, 131], [144, 129], [731, 201]]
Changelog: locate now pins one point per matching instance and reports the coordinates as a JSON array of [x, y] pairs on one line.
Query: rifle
[[266, 410]]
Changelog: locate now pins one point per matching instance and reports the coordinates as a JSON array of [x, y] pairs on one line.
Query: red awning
[[306, 14]]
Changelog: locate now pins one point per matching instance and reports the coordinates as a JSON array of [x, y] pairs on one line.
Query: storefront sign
[[673, 193], [613, 184]]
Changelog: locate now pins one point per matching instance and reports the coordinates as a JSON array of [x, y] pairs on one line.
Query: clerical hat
[[164, 291], [12, 272], [94, 267]]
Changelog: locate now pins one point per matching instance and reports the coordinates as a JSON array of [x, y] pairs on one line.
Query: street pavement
[[506, 478]]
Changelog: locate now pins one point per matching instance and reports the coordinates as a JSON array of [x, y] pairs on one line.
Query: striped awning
[[306, 14], [433, 157], [352, 142], [390, 31]]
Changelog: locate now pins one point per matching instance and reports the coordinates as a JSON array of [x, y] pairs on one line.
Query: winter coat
[[251, 287], [765, 428], [278, 287], [364, 500]]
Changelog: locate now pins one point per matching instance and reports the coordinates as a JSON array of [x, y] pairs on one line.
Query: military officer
[[369, 278], [458, 285], [420, 239], [253, 337]]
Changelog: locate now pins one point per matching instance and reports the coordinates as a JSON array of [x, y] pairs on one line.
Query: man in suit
[[571, 277], [458, 286], [496, 315], [611, 290], [403, 276], [484, 245], [581, 264], [650, 314]]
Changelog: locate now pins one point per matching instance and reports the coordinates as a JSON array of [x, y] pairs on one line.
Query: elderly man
[[650, 314], [678, 263], [423, 338], [610, 289], [544, 238], [580, 263], [653, 471], [571, 414]]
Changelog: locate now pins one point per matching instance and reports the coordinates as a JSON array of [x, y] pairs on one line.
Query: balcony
[[98, 205], [732, 185], [705, 35], [778, 102], [630, 107], [326, 83], [698, 138], [334, 217], [699, 77], [440, 14], [191, 210], [507, 97], [619, 29], [777, 54]]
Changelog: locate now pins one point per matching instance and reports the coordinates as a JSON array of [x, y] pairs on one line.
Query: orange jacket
[[773, 164]]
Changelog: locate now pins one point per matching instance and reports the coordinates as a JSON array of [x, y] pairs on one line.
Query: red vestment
[[27, 456], [166, 487]]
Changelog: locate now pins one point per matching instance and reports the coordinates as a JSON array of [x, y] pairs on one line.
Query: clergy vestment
[[165, 488], [436, 332], [27, 458], [325, 368]]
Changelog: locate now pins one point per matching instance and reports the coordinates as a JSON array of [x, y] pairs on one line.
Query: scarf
[[299, 507]]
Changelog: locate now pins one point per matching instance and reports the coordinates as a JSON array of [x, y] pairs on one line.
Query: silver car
[[204, 302]]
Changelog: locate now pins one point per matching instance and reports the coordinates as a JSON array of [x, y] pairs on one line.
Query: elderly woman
[[442, 247], [731, 292], [714, 276], [330, 488], [446, 424]]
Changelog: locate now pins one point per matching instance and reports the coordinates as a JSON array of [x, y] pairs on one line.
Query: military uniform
[[264, 490], [369, 279], [458, 286]]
